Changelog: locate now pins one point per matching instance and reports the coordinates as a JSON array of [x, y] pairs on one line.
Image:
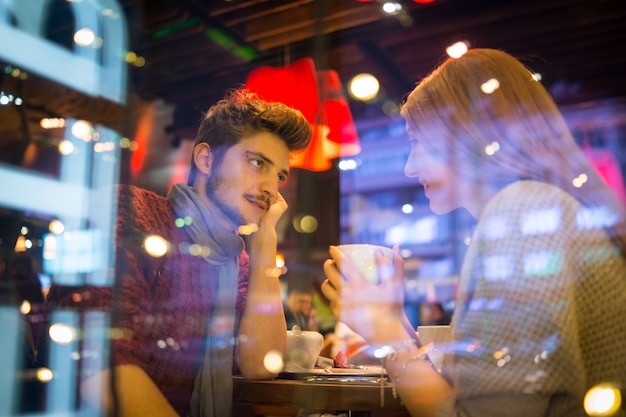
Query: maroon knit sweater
[[163, 303]]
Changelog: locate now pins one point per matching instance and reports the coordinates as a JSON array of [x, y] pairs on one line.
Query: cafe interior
[[99, 92]]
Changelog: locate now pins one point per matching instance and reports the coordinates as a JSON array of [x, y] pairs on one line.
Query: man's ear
[[203, 158]]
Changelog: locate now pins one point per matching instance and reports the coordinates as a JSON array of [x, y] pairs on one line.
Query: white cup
[[436, 340], [303, 348], [363, 257]]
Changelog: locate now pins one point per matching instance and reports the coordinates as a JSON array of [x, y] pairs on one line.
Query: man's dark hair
[[241, 114]]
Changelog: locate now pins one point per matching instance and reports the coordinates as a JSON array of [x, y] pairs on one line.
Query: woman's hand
[[370, 310]]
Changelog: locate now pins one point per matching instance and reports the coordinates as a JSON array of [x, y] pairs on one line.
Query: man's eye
[[256, 162], [282, 178]]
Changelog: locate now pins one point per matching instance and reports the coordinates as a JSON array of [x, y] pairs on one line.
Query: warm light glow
[[580, 180], [82, 129], [247, 229], [488, 87], [66, 147], [364, 87], [62, 333], [457, 50], [319, 95], [20, 244], [280, 260], [273, 361], [155, 246], [52, 122], [25, 307], [44, 375], [103, 147], [602, 400], [391, 7], [84, 37]]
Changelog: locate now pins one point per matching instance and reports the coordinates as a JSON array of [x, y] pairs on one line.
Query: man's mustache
[[262, 198]]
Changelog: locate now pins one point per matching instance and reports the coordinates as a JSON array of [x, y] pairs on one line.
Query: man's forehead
[[269, 146]]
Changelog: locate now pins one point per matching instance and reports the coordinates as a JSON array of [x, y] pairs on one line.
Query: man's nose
[[270, 185]]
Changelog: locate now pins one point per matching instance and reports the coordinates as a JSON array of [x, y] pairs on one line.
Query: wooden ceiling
[[196, 49]]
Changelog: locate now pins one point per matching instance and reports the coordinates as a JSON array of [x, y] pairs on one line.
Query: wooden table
[[288, 396]]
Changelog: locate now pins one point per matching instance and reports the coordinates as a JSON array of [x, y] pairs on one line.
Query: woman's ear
[[203, 158]]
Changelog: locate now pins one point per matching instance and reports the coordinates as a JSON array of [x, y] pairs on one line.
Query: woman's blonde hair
[[491, 119]]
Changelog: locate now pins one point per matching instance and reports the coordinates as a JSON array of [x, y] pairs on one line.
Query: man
[[186, 318], [299, 310]]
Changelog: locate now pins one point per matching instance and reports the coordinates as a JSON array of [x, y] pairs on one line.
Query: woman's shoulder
[[531, 195]]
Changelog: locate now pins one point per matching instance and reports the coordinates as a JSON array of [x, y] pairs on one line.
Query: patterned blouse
[[541, 309]]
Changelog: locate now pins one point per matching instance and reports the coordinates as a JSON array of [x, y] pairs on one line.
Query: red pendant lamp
[[319, 96]]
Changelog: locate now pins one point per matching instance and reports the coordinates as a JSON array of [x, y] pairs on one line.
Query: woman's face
[[444, 187], [438, 180]]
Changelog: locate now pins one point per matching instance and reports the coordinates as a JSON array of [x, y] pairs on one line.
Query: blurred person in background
[[191, 316], [299, 309], [539, 318], [434, 314]]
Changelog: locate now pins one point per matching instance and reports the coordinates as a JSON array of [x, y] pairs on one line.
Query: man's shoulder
[[138, 204], [139, 192]]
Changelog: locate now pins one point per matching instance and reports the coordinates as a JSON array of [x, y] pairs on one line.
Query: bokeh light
[[44, 375], [603, 400], [66, 147], [25, 307], [62, 333], [580, 180], [347, 164], [84, 37], [247, 229], [155, 246], [457, 50], [273, 361], [489, 86], [280, 260], [305, 223], [82, 129], [364, 87]]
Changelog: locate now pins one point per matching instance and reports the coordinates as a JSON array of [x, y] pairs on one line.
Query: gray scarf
[[209, 227]]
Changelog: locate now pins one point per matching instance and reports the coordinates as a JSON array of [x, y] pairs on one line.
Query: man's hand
[[274, 212], [137, 395]]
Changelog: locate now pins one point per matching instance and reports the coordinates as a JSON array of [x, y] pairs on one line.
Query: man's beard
[[212, 188]]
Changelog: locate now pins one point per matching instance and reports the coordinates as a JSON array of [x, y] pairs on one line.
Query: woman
[[542, 293]]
